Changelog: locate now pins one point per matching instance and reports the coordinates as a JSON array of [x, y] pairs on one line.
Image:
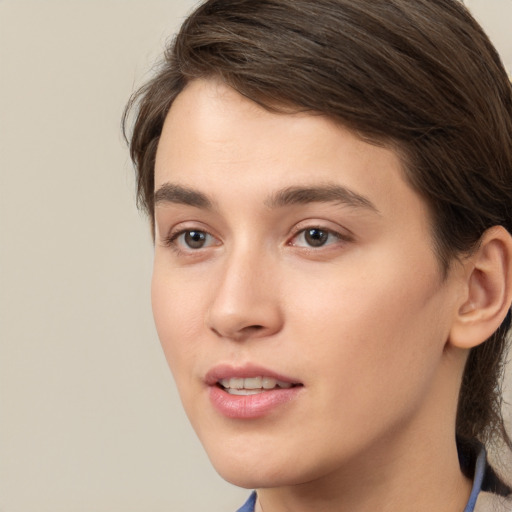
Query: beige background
[[89, 418]]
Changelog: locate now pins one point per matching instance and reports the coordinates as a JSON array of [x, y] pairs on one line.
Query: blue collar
[[249, 505], [480, 466]]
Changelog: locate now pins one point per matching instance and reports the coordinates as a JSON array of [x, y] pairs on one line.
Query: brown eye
[[195, 239], [315, 237], [190, 240]]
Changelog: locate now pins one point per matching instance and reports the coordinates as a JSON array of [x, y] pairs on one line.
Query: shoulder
[[490, 502], [489, 493]]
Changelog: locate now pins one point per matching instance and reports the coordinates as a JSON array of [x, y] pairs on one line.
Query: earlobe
[[488, 290]]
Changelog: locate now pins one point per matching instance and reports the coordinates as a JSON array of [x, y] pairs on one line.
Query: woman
[[329, 185]]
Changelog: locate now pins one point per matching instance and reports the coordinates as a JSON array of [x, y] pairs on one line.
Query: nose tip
[[241, 325], [244, 305]]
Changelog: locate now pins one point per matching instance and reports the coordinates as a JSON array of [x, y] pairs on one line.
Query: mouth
[[252, 385], [250, 392]]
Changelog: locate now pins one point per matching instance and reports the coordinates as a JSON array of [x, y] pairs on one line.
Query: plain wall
[[89, 417]]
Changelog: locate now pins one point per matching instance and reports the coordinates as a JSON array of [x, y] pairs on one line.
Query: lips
[[249, 392]]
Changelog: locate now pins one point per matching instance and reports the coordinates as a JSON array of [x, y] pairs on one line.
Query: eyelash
[[172, 239], [303, 231]]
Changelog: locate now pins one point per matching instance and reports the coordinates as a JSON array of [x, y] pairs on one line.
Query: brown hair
[[419, 75]]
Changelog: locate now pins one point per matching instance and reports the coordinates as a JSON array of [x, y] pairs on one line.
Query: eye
[[315, 237], [191, 239]]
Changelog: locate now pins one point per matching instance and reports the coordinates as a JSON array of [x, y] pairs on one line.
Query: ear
[[487, 291]]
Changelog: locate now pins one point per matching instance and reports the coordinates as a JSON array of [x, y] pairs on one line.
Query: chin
[[260, 468], [245, 464], [244, 481], [244, 468], [250, 476]]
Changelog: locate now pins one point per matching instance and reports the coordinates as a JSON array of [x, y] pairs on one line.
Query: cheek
[[175, 311], [370, 331]]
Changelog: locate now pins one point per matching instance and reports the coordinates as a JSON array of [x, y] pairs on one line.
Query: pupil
[[195, 239], [316, 237]]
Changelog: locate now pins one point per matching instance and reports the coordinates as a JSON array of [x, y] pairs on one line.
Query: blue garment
[[480, 468], [249, 505]]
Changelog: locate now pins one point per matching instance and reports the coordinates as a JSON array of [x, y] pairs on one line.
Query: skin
[[363, 321]]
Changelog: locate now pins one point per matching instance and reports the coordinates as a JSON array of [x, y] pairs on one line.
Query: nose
[[245, 302]]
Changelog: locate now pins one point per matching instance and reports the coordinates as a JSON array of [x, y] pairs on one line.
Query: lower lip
[[251, 406]]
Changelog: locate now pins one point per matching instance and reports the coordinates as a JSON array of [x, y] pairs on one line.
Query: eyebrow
[[329, 193], [170, 193]]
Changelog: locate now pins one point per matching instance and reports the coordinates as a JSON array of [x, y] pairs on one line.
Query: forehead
[[220, 142]]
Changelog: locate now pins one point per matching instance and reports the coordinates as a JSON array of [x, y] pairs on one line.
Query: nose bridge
[[245, 301]]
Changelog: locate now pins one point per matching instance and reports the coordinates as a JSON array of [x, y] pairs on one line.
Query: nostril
[[248, 331], [253, 328], [242, 333]]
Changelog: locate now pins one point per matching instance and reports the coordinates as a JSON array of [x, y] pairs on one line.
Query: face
[[295, 291]]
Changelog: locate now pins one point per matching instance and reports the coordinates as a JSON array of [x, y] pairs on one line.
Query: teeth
[[236, 383], [252, 385], [269, 383], [243, 391], [225, 383]]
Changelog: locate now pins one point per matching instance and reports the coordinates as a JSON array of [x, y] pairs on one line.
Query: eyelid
[[170, 240], [342, 234], [179, 234], [310, 247]]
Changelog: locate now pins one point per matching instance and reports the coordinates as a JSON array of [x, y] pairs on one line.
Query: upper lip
[[227, 371]]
